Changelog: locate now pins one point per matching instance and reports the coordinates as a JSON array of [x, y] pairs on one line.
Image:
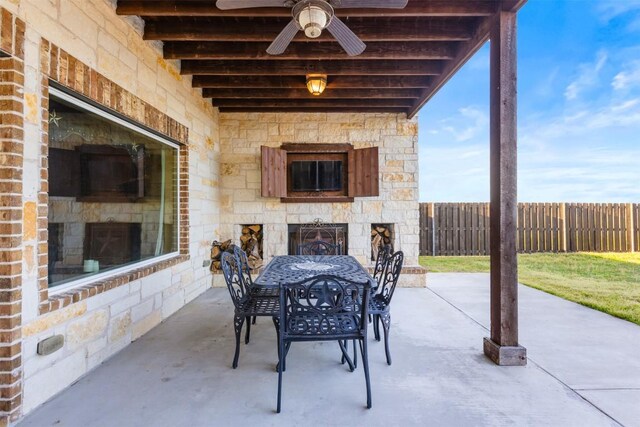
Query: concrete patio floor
[[583, 370]]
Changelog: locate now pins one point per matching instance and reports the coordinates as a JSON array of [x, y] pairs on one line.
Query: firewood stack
[[380, 236], [217, 249], [251, 244]]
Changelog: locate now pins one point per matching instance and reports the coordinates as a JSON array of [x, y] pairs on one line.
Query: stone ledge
[[83, 292]]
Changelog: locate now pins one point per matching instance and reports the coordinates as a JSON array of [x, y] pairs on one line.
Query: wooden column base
[[503, 355]]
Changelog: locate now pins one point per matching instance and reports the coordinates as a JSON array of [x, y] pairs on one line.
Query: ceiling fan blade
[[374, 4], [347, 38], [247, 4], [279, 45]]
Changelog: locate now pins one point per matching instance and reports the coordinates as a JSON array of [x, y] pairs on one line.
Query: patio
[[95, 260], [582, 370]]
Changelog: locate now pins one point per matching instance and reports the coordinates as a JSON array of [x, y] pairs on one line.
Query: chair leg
[[237, 324], [276, 323], [365, 364], [386, 325], [283, 356], [247, 335], [355, 356], [376, 327], [287, 346], [345, 354]]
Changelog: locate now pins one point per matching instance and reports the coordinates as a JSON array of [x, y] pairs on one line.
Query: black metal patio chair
[[246, 304], [245, 270], [254, 290], [323, 308], [378, 273], [319, 247], [380, 302]]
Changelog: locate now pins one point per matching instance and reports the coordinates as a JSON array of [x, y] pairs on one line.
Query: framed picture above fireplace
[[316, 173]]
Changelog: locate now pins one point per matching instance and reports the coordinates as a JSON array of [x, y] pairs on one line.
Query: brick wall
[[86, 47], [11, 213]]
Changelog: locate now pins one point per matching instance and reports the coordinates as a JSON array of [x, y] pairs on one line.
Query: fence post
[[563, 227], [433, 228], [630, 227]]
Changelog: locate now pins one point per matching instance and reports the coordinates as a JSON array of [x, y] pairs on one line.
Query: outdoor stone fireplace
[[334, 234], [286, 222]]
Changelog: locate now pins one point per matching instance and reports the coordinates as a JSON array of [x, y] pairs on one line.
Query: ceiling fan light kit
[[312, 16]]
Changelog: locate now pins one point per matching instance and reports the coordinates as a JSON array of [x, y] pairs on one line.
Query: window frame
[[90, 107]]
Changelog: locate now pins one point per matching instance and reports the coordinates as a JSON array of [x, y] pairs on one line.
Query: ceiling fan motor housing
[[312, 16]]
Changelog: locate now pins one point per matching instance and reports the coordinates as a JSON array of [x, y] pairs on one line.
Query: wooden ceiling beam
[[301, 68], [285, 109], [334, 82], [512, 5], [317, 51], [296, 93], [416, 29], [207, 8], [313, 103]]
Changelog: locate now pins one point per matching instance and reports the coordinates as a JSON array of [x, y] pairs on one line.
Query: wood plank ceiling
[[410, 53]]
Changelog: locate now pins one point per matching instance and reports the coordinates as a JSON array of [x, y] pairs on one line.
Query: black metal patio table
[[286, 269], [294, 268]]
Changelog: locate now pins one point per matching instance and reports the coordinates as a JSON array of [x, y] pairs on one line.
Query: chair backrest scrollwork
[[391, 276], [381, 263], [324, 307], [233, 277], [243, 264]]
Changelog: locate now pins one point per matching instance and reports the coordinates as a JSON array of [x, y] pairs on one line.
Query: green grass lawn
[[609, 282]]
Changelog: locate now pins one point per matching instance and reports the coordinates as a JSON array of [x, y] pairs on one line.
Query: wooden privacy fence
[[463, 228]]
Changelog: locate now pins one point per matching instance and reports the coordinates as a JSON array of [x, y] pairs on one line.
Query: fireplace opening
[[381, 235], [331, 233]]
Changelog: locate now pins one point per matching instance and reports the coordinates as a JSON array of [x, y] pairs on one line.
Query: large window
[[113, 197]]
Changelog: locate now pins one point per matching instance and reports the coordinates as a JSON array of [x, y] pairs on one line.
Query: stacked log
[[380, 236], [251, 244], [217, 249]]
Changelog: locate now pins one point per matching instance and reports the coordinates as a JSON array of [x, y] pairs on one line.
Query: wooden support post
[[630, 226], [502, 347]]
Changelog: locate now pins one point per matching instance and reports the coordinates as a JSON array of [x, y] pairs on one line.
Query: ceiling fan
[[313, 16]]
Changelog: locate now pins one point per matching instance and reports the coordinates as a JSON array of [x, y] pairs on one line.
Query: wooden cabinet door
[[274, 172], [363, 172]]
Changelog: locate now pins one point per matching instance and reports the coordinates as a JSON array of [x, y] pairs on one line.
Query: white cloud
[[588, 76], [471, 122], [611, 9], [629, 78], [615, 115]]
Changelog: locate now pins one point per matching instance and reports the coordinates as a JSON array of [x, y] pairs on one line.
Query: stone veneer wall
[[87, 47], [242, 134]]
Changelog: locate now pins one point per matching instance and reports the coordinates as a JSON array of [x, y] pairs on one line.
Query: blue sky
[[578, 110]]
